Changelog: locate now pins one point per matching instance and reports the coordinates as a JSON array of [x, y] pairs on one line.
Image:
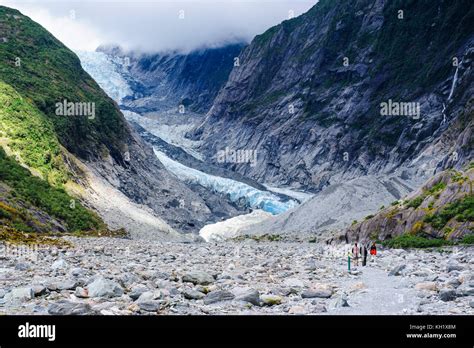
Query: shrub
[[411, 241], [462, 210], [469, 239], [415, 203]]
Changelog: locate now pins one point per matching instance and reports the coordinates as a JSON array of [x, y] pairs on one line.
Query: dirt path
[[382, 294]]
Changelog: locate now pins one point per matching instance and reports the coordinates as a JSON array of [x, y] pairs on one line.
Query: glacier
[[111, 74], [254, 198], [108, 72]]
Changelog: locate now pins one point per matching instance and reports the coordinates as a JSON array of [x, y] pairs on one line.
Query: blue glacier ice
[[236, 190], [108, 72]]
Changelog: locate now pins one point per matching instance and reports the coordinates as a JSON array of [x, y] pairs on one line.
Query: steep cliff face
[[163, 81], [92, 143], [308, 93]]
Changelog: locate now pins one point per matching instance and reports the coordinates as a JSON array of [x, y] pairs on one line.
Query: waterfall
[[455, 78]]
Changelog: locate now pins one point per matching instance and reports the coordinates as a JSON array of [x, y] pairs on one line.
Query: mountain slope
[[443, 208], [315, 120], [30, 204], [80, 150]]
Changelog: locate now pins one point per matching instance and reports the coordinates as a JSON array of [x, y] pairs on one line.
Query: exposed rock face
[[307, 95], [439, 209], [163, 81]]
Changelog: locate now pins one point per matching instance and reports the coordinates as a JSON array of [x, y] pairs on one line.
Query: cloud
[[157, 25]]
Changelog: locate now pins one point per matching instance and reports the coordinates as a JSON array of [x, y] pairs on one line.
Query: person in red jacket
[[373, 251]]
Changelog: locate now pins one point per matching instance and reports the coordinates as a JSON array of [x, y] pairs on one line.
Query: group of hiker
[[361, 252]]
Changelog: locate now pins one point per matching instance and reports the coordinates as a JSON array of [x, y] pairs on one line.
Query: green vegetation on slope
[[29, 133], [31, 190], [42, 70], [410, 241], [462, 210], [417, 50]]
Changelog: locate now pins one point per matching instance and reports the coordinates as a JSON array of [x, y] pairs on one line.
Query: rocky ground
[[126, 277]]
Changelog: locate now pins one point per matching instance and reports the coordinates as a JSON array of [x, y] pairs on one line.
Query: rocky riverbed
[[111, 276]]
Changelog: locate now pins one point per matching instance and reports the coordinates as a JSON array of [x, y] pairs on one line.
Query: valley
[[177, 183]]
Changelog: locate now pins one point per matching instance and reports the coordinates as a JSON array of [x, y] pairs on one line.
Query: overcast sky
[[157, 25]]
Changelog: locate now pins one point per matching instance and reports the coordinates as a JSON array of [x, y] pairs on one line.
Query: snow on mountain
[[236, 190], [109, 73]]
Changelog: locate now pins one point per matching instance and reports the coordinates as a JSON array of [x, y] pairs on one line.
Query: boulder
[[191, 294], [102, 287], [60, 264], [218, 296], [19, 295], [65, 307], [427, 286], [198, 277], [319, 290], [247, 294], [447, 295]]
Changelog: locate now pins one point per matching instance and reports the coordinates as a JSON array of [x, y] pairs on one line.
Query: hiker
[[355, 254], [364, 254], [373, 252]]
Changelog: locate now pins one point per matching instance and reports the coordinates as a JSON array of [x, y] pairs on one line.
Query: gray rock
[[19, 295], [102, 287], [471, 303], [454, 282], [431, 278], [81, 292], [198, 277], [127, 279], [149, 296], [77, 272], [313, 293], [465, 291], [318, 308], [454, 267], [447, 295], [149, 306], [59, 265], [137, 291], [397, 270], [2, 293], [22, 266], [67, 284], [341, 301], [247, 295], [65, 307], [218, 296], [191, 294]]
